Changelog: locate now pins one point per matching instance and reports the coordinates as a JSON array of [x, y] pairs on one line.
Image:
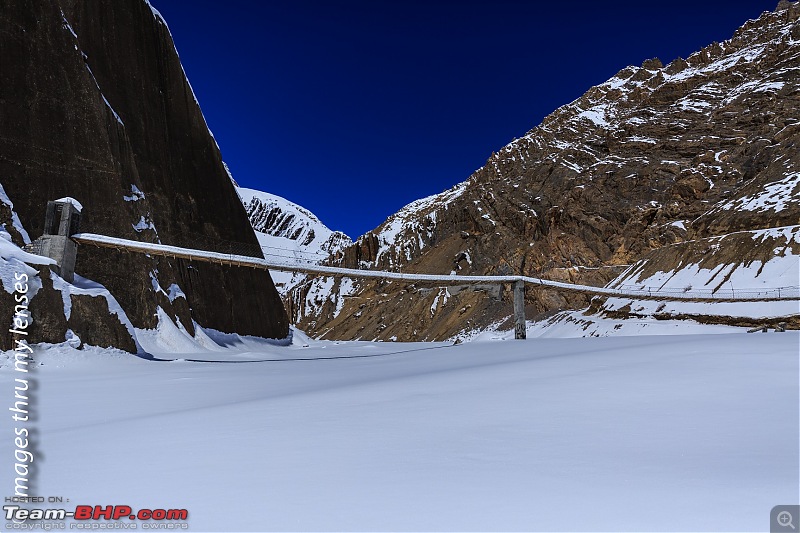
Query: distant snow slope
[[403, 234], [298, 229], [640, 433], [290, 233], [738, 263], [782, 269]]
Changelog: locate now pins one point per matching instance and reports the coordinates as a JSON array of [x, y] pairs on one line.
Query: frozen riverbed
[[694, 432]]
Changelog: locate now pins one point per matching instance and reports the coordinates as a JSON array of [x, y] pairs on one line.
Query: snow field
[[683, 432]]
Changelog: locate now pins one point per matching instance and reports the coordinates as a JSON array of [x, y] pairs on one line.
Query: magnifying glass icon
[[785, 519]]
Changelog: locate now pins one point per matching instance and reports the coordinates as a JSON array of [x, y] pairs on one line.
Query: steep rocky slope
[[94, 104], [291, 233], [657, 155]]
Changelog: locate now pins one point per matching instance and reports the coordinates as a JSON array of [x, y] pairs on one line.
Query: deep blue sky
[[353, 109]]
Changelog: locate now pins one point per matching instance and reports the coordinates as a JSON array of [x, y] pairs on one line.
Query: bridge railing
[[723, 293], [190, 240], [636, 291]]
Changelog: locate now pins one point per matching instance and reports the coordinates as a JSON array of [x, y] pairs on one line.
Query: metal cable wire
[[186, 239], [202, 243], [721, 293]]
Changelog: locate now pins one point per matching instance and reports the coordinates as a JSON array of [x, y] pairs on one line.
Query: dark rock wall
[[92, 114]]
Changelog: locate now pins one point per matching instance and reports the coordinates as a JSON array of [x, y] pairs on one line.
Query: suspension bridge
[[518, 282], [61, 239]]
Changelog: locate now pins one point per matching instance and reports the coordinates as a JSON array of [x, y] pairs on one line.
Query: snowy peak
[[297, 229], [406, 233], [290, 233]]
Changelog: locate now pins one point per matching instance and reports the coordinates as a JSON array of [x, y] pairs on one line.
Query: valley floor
[[638, 433]]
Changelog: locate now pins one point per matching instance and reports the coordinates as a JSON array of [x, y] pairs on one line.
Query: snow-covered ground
[[572, 324], [634, 433]]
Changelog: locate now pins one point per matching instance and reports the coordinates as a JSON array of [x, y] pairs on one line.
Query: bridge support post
[[519, 310], [62, 220]]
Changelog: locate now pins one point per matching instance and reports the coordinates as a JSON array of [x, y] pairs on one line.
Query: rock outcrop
[[657, 155], [94, 104]]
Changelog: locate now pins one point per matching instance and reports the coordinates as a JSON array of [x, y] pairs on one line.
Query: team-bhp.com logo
[[96, 512]]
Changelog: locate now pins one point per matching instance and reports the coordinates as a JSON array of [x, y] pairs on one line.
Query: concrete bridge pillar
[[62, 220], [519, 310]]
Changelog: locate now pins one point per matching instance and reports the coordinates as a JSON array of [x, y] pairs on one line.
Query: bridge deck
[[754, 295]]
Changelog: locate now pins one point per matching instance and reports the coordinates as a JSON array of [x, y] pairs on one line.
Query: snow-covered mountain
[[287, 229], [292, 233], [654, 159], [683, 120]]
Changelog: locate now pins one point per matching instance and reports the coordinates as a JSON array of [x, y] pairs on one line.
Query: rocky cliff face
[[657, 155], [94, 104]]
